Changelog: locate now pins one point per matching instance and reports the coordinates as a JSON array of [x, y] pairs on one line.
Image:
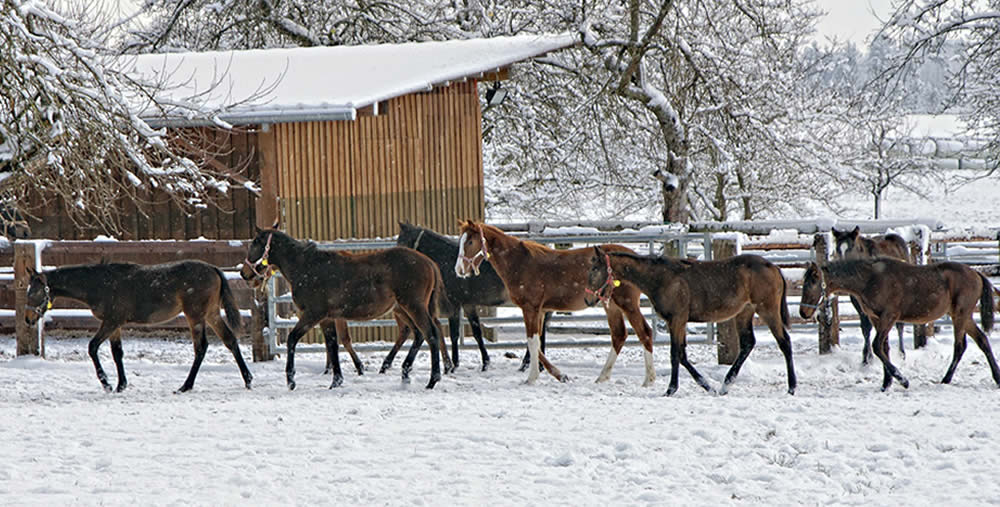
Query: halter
[[483, 252], [609, 284], [44, 306], [416, 244], [822, 299], [262, 261]]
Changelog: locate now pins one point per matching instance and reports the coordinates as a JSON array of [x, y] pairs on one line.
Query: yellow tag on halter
[[487, 255], [48, 306], [617, 283], [263, 262]]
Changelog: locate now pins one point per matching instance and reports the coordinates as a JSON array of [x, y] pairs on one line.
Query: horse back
[[158, 292], [890, 245]]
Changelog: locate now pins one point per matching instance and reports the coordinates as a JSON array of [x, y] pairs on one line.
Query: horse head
[[256, 266], [848, 244], [472, 249], [601, 280], [39, 298], [813, 290], [408, 235]]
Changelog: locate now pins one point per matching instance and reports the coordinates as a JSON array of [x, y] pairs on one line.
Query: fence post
[[728, 338], [828, 313], [258, 321], [27, 336], [919, 255]]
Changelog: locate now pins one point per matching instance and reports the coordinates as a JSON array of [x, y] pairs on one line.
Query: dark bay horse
[[126, 293], [329, 285], [541, 279], [683, 291], [890, 290], [464, 294], [852, 245]]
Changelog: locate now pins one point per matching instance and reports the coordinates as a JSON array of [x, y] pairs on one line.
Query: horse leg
[[200, 340], [418, 340], [984, 344], [344, 337], [866, 331], [455, 331], [645, 333], [329, 328], [902, 348], [404, 333], [117, 354], [106, 329], [305, 323], [678, 356], [744, 325], [881, 349], [527, 353], [477, 332], [231, 343], [618, 334], [959, 346]]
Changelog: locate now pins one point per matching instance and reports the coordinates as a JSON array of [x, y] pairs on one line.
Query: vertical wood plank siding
[[419, 160]]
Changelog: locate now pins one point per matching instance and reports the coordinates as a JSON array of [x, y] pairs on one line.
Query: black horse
[[465, 294], [329, 285], [125, 293]]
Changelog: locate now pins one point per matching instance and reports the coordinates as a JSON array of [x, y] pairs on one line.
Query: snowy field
[[483, 438]]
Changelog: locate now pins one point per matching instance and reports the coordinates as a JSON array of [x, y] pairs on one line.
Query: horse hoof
[[361, 370], [524, 367], [291, 385], [120, 388], [248, 386], [383, 369], [337, 382], [405, 380], [564, 378], [433, 382], [602, 379], [486, 366], [670, 391], [905, 383], [791, 391], [183, 389], [724, 390]]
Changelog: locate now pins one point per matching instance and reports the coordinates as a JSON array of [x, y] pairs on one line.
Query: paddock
[[482, 438]]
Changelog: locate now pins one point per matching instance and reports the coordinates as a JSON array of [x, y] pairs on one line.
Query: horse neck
[[645, 274], [849, 276], [76, 282], [290, 256], [506, 252]]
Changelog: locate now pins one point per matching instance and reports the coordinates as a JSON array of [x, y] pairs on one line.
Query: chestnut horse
[[541, 279], [685, 291], [126, 293], [329, 285], [890, 290], [851, 245]]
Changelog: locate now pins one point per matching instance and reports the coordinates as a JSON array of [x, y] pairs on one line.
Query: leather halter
[[262, 261], [824, 297], [483, 252], [44, 306], [609, 285]]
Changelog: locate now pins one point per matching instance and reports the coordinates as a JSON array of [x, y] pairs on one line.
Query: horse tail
[[786, 321], [986, 304], [439, 297], [233, 318]]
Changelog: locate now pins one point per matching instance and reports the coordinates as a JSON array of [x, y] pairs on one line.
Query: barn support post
[[919, 255], [258, 322], [28, 342], [267, 201], [827, 315], [728, 347]]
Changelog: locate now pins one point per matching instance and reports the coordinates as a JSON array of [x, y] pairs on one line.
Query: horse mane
[[852, 267], [672, 263], [429, 233], [531, 246]]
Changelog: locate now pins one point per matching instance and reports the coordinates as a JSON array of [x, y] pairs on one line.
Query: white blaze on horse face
[[843, 250], [460, 269]]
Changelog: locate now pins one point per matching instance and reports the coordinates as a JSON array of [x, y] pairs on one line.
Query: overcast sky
[[852, 20]]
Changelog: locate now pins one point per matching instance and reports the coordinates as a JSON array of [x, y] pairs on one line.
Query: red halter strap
[[609, 284], [262, 261]]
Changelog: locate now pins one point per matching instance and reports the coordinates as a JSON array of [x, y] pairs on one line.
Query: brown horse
[[329, 285], [685, 291], [851, 245], [891, 290], [541, 279], [126, 293]]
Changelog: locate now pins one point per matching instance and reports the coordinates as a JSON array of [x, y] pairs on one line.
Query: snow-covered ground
[[483, 438]]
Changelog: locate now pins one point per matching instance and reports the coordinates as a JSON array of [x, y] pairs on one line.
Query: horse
[[851, 245], [127, 293], [683, 290], [541, 279], [465, 294], [330, 285], [890, 290]]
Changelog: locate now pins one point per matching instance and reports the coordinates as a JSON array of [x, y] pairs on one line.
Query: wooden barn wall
[[419, 161], [232, 216]]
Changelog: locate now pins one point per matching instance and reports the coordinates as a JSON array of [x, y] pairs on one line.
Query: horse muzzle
[[466, 267]]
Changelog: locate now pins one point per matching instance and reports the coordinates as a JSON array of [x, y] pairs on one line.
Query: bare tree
[[69, 124]]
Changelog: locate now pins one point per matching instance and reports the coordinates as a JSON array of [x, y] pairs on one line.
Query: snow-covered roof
[[303, 84]]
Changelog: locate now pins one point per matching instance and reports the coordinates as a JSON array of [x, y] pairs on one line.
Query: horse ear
[[856, 231], [276, 223]]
